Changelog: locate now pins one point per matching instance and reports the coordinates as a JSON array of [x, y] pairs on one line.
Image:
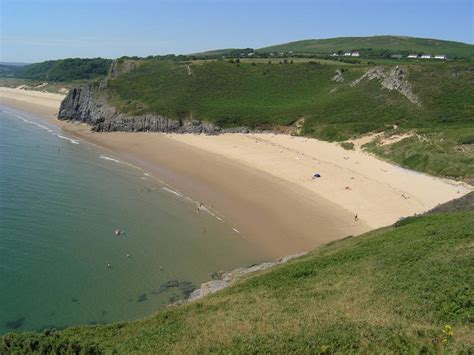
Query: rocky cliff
[[226, 279], [88, 104], [395, 79]]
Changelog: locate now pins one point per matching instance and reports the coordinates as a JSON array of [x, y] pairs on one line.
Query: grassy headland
[[403, 289], [277, 94]]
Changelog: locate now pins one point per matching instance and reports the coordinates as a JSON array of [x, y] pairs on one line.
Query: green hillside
[[64, 70], [376, 45], [218, 52], [9, 70], [402, 289], [275, 96]]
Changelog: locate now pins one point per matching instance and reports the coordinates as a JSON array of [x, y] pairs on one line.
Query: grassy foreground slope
[[268, 96], [376, 45], [403, 289]]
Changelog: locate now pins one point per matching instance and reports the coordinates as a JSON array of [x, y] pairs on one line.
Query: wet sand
[[279, 216], [262, 183]]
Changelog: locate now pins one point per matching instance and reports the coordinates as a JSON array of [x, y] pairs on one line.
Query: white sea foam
[[105, 157], [46, 128], [172, 191], [42, 127], [73, 141], [32, 122], [20, 117]]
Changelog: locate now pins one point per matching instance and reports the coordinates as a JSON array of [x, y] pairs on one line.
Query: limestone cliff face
[[88, 104], [395, 79]]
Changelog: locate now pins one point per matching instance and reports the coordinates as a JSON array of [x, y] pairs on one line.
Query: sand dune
[[262, 183]]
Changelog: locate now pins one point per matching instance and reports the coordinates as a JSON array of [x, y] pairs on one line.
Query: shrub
[[347, 145], [466, 140]]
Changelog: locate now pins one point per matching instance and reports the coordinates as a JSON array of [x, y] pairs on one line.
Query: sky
[[37, 30]]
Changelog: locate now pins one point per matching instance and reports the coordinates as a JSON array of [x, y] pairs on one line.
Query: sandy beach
[[263, 183], [40, 98]]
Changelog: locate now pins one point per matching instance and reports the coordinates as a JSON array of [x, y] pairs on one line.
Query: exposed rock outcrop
[[119, 67], [371, 74], [338, 78], [395, 79], [228, 278], [89, 105]]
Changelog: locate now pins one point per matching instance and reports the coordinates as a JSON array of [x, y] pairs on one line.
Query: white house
[[441, 56], [347, 54], [334, 54], [413, 56], [426, 56], [355, 54]]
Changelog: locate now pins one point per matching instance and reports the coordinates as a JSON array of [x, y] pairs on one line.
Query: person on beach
[[356, 217], [200, 206]]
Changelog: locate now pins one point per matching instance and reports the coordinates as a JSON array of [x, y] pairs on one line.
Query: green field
[[268, 96], [401, 289], [376, 45]]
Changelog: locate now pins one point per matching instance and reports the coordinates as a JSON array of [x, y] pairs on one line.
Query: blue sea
[[61, 263]]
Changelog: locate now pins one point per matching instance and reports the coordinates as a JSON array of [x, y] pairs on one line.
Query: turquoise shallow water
[[61, 200]]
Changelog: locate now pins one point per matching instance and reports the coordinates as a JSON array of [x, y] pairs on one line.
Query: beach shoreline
[[263, 183]]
